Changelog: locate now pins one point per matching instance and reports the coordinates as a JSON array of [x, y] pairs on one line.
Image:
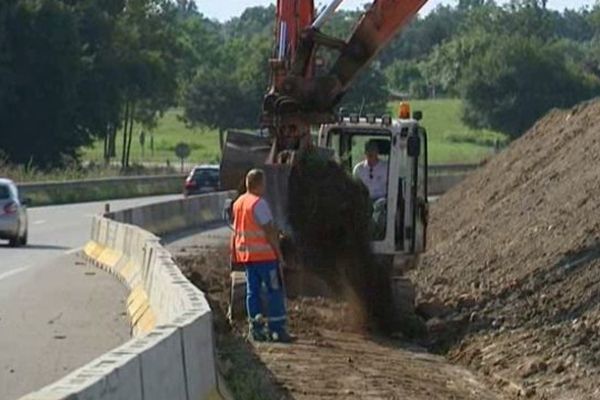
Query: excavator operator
[[373, 173]]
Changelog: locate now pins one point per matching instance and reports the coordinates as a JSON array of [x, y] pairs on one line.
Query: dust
[[330, 214]]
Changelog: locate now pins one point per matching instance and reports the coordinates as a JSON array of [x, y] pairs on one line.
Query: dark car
[[202, 179]]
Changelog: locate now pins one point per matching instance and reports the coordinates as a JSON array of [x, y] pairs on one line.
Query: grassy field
[[170, 131], [450, 141]]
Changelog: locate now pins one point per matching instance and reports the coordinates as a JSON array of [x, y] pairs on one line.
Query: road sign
[[182, 151]]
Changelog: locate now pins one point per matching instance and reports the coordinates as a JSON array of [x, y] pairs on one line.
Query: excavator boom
[[375, 30], [299, 97]]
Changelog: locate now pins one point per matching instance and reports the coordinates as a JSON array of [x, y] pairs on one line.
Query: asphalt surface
[[56, 314]]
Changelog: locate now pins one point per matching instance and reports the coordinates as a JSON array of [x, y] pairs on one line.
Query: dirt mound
[[330, 213], [515, 251]]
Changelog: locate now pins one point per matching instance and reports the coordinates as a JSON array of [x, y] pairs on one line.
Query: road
[[56, 313]]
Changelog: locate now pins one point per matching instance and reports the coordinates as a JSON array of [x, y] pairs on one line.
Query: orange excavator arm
[[297, 98]]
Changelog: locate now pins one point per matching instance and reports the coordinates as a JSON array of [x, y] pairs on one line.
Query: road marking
[[75, 250], [12, 272], [42, 221]]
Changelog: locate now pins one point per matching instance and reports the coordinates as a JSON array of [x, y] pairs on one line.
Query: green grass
[[450, 140], [30, 174], [170, 131]]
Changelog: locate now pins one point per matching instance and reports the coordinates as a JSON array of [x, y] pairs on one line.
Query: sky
[[226, 9]]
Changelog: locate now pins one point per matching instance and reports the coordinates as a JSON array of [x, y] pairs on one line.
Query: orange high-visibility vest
[[249, 241]]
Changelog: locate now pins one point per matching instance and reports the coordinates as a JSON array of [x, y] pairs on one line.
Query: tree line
[[74, 72]]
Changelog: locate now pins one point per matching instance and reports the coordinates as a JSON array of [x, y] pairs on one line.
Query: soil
[[332, 357], [330, 215], [515, 258]]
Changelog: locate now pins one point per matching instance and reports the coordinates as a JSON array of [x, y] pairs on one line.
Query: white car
[[13, 214]]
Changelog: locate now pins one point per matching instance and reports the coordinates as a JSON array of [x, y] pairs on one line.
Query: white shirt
[[262, 212], [374, 178]]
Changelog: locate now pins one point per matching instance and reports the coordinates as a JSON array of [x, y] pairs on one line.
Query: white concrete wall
[[172, 353]]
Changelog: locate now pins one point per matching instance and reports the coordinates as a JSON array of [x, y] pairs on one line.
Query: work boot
[[258, 330], [282, 337], [258, 336]]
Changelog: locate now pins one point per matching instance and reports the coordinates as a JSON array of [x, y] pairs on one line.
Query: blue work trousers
[[259, 275]]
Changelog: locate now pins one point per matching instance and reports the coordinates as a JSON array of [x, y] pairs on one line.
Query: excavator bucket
[[244, 151]]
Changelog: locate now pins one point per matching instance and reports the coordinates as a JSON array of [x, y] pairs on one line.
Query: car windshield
[[4, 192], [206, 173]]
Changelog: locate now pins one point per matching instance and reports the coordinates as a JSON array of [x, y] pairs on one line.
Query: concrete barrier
[[440, 184], [174, 215], [47, 193], [171, 355], [450, 169]]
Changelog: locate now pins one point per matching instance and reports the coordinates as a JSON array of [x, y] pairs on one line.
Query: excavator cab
[[399, 199]]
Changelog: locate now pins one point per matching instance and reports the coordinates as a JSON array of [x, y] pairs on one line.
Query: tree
[[38, 108], [517, 80], [146, 51], [253, 21], [447, 63], [591, 60], [214, 99], [470, 4], [422, 35], [368, 95], [402, 74], [229, 94], [75, 71]]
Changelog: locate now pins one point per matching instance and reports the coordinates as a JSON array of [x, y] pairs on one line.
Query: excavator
[[299, 113]]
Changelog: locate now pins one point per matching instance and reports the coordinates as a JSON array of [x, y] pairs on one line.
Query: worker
[[255, 246], [373, 172]]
